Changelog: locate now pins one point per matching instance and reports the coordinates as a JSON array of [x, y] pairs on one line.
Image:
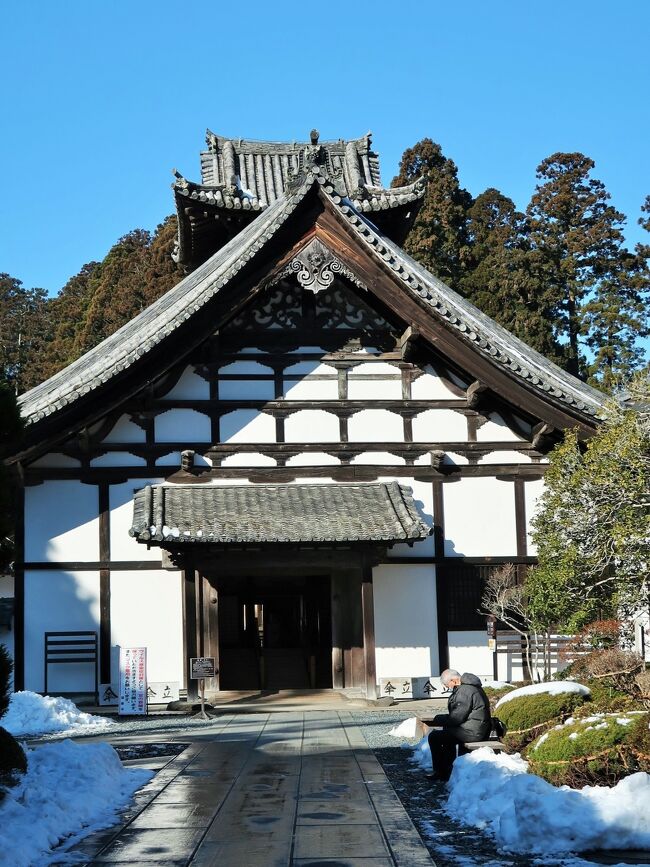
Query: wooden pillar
[[104, 584], [19, 587], [210, 626], [520, 518], [338, 642], [439, 552], [190, 631], [368, 613]]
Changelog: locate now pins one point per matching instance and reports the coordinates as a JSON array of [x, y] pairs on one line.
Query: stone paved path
[[294, 788]]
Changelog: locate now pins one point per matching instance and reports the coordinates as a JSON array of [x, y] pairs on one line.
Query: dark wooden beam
[[104, 585], [19, 583], [368, 614], [190, 630], [520, 518]]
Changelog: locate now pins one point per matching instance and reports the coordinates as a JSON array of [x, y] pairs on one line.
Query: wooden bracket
[[475, 394], [543, 437], [408, 343]]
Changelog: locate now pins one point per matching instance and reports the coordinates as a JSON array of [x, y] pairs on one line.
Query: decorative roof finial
[[314, 135]]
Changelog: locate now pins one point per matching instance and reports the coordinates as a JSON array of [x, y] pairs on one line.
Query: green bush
[[528, 716], [12, 756], [495, 694], [607, 699], [596, 750]]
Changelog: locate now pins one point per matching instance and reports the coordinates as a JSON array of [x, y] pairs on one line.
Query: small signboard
[[132, 693], [401, 688], [201, 666]]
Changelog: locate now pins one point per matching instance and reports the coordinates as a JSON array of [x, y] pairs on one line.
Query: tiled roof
[[249, 514]]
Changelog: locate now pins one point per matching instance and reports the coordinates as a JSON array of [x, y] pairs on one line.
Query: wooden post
[[368, 613], [190, 630], [104, 585]]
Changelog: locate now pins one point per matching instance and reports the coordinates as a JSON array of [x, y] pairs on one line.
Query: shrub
[[600, 749], [606, 699], [495, 694], [528, 716], [12, 756]]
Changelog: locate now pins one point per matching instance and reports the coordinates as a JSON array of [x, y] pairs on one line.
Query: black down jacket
[[469, 711]]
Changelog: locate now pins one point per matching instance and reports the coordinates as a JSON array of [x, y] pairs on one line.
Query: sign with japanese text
[[132, 692], [202, 666], [400, 688]]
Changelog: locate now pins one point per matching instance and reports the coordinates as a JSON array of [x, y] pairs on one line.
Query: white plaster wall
[[532, 492], [7, 591], [311, 389], [118, 459], [496, 430], [362, 388], [375, 368], [190, 386], [249, 459], [375, 425], [406, 622], [314, 367], [123, 546], [146, 611], [378, 458], [505, 457], [182, 425], [246, 389], [440, 426], [451, 459], [56, 459], [311, 426], [59, 601], [61, 522], [469, 652], [247, 426], [170, 459], [125, 431], [431, 386], [479, 518], [312, 459], [423, 497], [246, 368]]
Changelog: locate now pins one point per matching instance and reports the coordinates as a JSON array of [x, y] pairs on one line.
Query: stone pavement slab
[[276, 789]]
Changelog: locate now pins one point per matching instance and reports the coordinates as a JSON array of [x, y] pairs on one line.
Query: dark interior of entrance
[[275, 633]]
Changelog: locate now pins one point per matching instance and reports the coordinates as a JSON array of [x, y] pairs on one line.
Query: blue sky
[[101, 99]]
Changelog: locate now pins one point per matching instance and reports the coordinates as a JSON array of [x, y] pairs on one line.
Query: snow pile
[[497, 684], [32, 714], [409, 728], [421, 755], [526, 814], [69, 791], [556, 687]]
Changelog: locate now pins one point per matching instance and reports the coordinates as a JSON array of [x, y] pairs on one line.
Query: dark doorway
[[275, 632]]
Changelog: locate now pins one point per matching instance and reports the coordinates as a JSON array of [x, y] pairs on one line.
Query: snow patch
[[69, 791], [556, 687], [33, 714], [409, 728], [526, 814], [497, 684]]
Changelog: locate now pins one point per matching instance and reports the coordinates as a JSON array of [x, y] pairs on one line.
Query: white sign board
[[132, 693], [162, 691], [201, 666], [400, 688]]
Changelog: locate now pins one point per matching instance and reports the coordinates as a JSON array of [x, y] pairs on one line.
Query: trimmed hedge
[[596, 750], [528, 716]]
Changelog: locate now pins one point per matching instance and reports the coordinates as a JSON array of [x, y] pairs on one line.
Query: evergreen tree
[[578, 241], [22, 324], [438, 238], [501, 277]]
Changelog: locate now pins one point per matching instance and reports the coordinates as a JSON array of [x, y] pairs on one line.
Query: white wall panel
[[505, 457], [59, 601], [247, 426], [479, 518], [190, 386], [314, 367], [123, 546], [423, 497], [170, 459], [146, 611], [312, 389], [454, 459], [249, 459], [56, 459], [246, 368], [375, 425], [431, 386], [439, 425], [246, 389], [182, 425], [125, 431], [312, 459], [375, 368], [118, 459], [496, 430], [406, 623], [374, 389], [378, 458], [532, 491], [311, 426], [468, 651], [62, 522]]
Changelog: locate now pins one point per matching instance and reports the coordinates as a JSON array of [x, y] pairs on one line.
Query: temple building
[[303, 460]]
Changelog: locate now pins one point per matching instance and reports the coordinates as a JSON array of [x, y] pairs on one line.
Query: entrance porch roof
[[254, 514]]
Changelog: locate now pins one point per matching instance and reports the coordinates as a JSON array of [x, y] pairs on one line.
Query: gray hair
[[447, 675]]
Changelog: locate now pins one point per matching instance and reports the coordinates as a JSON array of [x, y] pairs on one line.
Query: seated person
[[467, 720]]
